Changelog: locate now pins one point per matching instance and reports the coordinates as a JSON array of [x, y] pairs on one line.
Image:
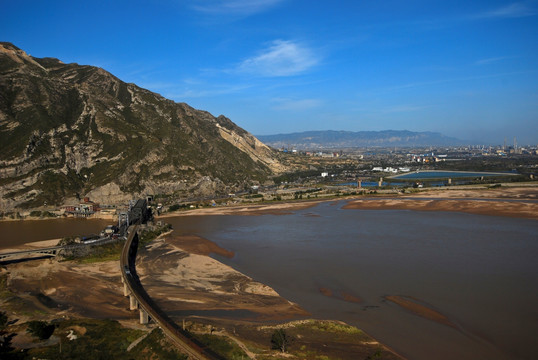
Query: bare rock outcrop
[[70, 130]]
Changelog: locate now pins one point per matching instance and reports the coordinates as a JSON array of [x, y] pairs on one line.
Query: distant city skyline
[[466, 69]]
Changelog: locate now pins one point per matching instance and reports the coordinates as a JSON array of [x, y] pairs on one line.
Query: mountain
[[69, 131], [311, 140]]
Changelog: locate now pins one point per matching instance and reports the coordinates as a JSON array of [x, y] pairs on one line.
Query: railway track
[[179, 337]]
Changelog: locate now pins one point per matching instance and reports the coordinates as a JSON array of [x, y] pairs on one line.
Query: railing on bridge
[[54, 250]]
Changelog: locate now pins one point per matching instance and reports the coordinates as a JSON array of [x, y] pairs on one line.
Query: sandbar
[[494, 208]]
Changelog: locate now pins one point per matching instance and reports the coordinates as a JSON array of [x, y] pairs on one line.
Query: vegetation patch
[[149, 234], [4, 290], [102, 339], [93, 254], [221, 346], [331, 326], [156, 346], [312, 340], [42, 214], [40, 329]]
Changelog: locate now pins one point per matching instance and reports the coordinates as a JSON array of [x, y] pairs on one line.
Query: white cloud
[[514, 10], [282, 58], [238, 7], [296, 105]]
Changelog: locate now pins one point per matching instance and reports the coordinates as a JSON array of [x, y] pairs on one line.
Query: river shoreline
[[180, 276], [459, 199], [179, 270], [517, 202], [513, 191]]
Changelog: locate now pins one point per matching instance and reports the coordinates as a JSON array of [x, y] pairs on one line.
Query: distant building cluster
[[391, 169], [426, 158], [83, 209], [87, 208], [323, 154]]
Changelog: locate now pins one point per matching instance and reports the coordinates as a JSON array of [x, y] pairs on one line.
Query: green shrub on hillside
[[40, 329]]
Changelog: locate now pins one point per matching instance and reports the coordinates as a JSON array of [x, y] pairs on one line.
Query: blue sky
[[464, 68]]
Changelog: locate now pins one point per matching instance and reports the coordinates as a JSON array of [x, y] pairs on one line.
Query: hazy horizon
[[464, 69], [473, 142]]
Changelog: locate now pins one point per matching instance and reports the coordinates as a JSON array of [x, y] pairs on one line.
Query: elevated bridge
[[139, 213], [51, 251], [140, 300]]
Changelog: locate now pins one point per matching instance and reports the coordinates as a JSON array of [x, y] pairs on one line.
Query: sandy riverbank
[[513, 202], [181, 278], [185, 260], [32, 245], [176, 271], [279, 208], [510, 201], [493, 208]]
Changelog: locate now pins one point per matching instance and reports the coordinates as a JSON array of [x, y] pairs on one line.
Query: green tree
[[6, 350], [40, 329], [3, 320], [280, 340]]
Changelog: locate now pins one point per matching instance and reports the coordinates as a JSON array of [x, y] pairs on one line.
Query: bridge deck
[[170, 329], [53, 250], [33, 251]]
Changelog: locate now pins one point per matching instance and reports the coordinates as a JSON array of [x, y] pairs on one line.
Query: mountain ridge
[[69, 131], [309, 140]]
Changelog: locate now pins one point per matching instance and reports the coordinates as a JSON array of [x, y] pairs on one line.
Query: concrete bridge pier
[[125, 288], [133, 304], [144, 317]]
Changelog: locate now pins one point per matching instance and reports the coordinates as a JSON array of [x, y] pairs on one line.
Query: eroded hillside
[[69, 130]]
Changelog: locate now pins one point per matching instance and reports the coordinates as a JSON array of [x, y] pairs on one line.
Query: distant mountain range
[[68, 131], [310, 140]]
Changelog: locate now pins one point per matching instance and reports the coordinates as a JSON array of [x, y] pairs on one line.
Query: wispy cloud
[[281, 58], [296, 104], [460, 79], [492, 60], [402, 109], [233, 7], [194, 89], [514, 10]]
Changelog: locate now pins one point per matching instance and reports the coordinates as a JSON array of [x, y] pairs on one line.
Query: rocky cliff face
[[68, 131]]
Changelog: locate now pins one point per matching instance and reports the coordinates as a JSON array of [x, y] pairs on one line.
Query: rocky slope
[[69, 130]]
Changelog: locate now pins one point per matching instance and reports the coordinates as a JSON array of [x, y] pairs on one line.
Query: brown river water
[[13, 233], [479, 272]]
